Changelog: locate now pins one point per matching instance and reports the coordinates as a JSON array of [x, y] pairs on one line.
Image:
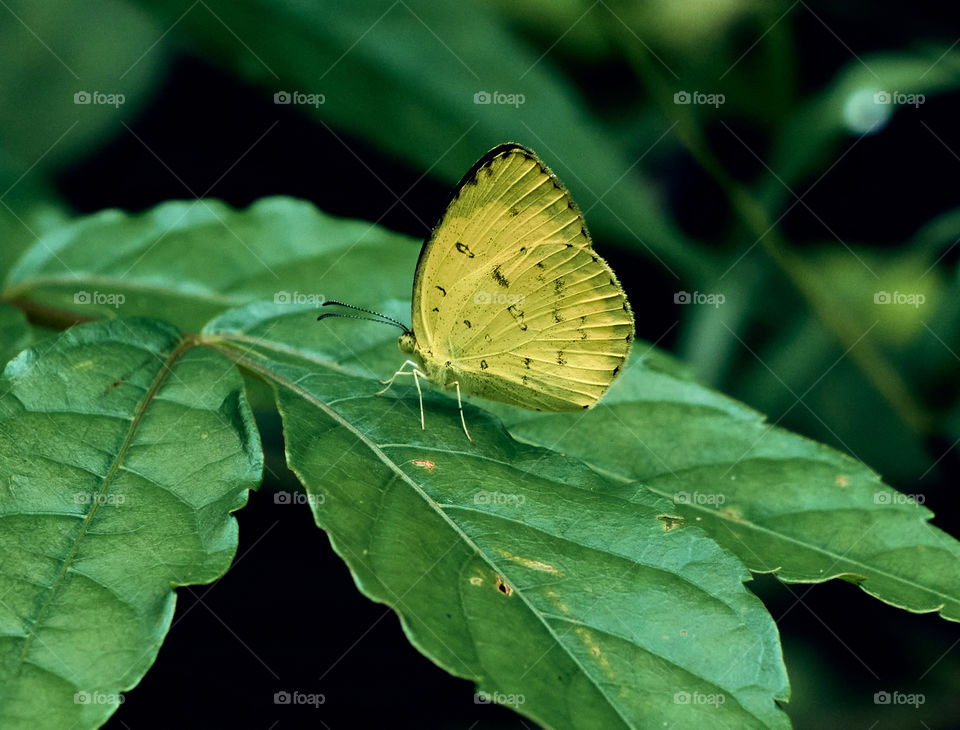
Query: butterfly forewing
[[509, 291]]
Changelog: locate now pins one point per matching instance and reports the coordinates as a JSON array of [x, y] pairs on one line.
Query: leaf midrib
[[104, 487]]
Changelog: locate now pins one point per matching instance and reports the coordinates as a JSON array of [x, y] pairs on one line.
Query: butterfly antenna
[[382, 318]]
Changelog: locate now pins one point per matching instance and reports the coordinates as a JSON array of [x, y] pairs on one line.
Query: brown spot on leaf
[[671, 521], [503, 587], [424, 463], [113, 385]]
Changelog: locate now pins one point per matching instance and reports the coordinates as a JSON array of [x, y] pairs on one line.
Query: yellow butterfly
[[510, 301]]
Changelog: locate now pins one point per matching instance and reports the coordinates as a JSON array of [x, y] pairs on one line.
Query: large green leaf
[[423, 63], [52, 51], [187, 262], [576, 599], [122, 454], [780, 502]]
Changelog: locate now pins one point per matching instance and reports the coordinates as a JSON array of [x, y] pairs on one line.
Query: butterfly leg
[[416, 380], [462, 419], [401, 371], [415, 372]]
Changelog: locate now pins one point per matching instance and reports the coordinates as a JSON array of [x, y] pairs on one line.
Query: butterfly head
[[407, 343]]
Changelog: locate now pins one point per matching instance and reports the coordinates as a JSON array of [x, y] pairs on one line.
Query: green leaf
[[847, 108], [575, 599], [123, 451], [53, 50], [780, 502], [15, 333], [436, 67], [188, 262], [21, 223]]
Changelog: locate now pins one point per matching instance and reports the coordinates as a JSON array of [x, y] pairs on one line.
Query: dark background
[[287, 615]]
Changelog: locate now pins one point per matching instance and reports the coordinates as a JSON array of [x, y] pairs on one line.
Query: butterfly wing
[[510, 292]]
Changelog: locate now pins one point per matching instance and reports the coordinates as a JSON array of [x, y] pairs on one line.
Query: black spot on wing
[[517, 315], [465, 250], [500, 278], [442, 290]]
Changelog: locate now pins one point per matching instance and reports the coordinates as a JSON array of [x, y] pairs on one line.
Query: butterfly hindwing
[[510, 293]]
